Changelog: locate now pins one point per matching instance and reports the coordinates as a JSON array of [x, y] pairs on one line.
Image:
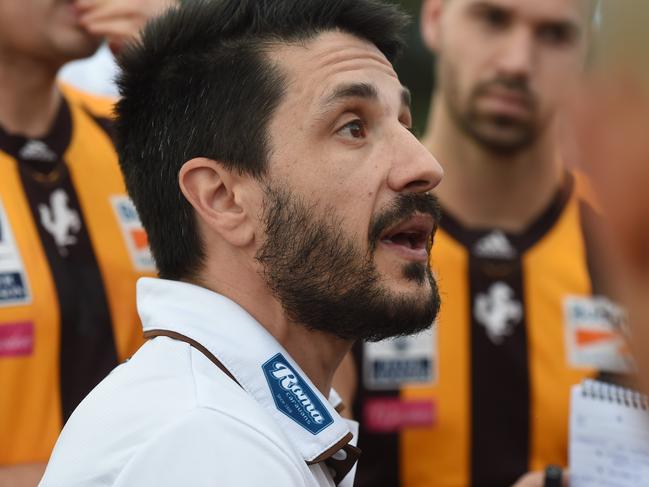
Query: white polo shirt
[[171, 415]]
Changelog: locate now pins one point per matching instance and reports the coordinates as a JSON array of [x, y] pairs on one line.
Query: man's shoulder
[[200, 447], [163, 405], [585, 193]]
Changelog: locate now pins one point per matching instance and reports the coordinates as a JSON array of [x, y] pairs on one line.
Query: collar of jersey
[[242, 345]]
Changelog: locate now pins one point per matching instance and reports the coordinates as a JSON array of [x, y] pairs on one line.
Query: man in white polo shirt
[[267, 147]]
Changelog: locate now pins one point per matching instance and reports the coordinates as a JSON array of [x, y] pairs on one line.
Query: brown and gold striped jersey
[[71, 249], [484, 397]]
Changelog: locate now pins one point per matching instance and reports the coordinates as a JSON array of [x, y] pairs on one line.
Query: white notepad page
[[609, 437]]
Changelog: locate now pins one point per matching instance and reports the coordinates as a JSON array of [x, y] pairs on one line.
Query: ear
[[216, 194], [431, 13]]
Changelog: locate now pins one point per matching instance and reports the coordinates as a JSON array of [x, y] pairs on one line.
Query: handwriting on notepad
[[609, 444]]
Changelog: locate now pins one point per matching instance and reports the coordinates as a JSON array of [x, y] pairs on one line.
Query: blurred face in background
[[48, 30], [506, 66]]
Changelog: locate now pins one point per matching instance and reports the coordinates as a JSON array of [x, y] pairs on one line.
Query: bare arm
[[612, 126]]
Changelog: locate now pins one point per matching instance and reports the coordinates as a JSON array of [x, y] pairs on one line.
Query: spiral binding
[[602, 391]]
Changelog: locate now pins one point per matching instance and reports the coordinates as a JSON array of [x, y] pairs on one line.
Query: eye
[[556, 34], [354, 129], [494, 18]]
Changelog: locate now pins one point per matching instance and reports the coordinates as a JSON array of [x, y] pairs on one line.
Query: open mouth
[[410, 238]]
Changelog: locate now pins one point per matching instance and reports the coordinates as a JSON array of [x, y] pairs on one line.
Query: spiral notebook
[[609, 436]]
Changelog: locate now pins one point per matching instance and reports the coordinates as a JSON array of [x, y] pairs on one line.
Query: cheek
[[13, 20], [462, 67], [556, 84]]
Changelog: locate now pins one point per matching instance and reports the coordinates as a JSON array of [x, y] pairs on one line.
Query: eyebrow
[[365, 91], [571, 25]]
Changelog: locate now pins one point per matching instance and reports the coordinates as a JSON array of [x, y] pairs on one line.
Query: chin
[[412, 280], [75, 46]]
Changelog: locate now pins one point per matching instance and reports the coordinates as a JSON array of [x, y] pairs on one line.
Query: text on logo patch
[[293, 396], [12, 287]]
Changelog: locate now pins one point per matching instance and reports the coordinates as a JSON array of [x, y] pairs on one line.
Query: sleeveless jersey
[[71, 249], [483, 397]]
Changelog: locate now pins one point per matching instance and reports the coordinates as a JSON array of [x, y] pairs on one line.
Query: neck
[[485, 190], [317, 353], [29, 98]]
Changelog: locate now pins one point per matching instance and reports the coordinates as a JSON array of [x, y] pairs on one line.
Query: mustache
[[404, 207], [517, 84]]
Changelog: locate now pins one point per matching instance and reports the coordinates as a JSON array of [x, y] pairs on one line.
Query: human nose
[[517, 54], [414, 168]]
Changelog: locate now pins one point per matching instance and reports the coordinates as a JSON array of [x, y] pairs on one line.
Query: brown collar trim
[[340, 458], [333, 449], [348, 454], [177, 336]]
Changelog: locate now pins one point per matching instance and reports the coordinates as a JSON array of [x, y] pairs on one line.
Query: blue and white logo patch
[[293, 396], [14, 285], [135, 238]]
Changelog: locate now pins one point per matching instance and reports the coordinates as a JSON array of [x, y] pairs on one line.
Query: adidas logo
[[494, 246], [35, 150]]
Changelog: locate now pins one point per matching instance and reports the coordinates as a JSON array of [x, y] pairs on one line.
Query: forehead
[[577, 11], [315, 68]]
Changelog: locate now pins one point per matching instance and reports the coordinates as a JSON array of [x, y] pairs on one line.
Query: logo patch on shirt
[[498, 311], [495, 245], [597, 335], [293, 396], [61, 222], [133, 232], [37, 150], [16, 339], [395, 362], [390, 415], [14, 287]]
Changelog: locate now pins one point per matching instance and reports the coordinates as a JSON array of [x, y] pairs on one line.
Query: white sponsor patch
[[597, 335], [395, 362], [133, 232], [14, 285]]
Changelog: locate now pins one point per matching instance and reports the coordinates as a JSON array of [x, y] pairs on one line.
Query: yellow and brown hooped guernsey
[[484, 397], [71, 249]]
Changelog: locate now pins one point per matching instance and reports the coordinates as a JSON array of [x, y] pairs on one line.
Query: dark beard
[[326, 283], [500, 135]]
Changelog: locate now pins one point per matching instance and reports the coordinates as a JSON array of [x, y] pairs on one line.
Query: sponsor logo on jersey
[[133, 233], [396, 362], [36, 150], [498, 311], [495, 245], [16, 339], [597, 334], [390, 415], [61, 222], [14, 286], [293, 396]]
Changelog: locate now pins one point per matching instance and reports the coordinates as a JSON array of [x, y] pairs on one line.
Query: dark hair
[[199, 84]]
